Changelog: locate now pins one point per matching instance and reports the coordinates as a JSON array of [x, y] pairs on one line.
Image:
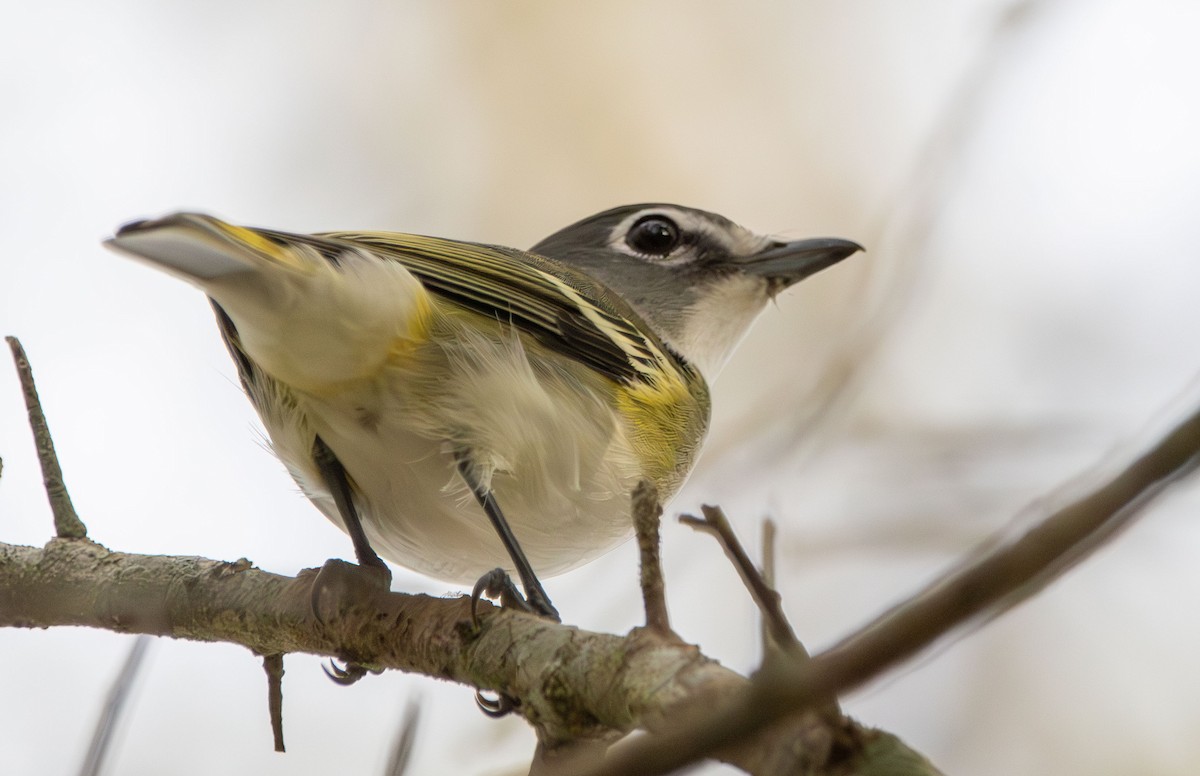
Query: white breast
[[553, 451]]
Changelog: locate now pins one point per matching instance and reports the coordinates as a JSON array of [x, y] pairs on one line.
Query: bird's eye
[[653, 236]]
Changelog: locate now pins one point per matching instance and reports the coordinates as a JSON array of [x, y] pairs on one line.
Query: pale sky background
[[1026, 313]]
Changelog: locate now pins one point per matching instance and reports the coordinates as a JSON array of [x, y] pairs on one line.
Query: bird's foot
[[350, 673], [499, 585], [339, 584], [338, 590], [374, 566], [500, 706]]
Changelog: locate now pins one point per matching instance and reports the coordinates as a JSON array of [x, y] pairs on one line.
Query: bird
[[458, 407]]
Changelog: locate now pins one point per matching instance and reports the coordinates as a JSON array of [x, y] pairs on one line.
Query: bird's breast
[[560, 446]]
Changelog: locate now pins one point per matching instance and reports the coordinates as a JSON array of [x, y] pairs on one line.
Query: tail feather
[[199, 248], [311, 312]]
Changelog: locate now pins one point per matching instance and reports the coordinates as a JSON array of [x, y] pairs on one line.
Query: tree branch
[[66, 519], [779, 634], [273, 666], [647, 511], [572, 684], [983, 586]]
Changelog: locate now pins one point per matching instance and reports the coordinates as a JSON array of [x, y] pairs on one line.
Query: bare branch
[[67, 524], [987, 584], [770, 531], [273, 665], [647, 512], [778, 628], [573, 685]]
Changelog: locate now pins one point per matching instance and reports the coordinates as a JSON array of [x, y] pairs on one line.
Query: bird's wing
[[560, 309]]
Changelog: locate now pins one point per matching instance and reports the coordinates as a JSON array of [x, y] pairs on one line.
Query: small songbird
[[456, 406]]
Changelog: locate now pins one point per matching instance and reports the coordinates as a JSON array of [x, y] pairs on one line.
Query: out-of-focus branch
[[983, 586], [405, 742], [897, 236], [114, 705]]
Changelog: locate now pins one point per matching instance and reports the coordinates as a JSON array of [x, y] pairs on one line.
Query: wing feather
[[561, 308]]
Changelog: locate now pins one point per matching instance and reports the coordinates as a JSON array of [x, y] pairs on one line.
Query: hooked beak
[[784, 264]]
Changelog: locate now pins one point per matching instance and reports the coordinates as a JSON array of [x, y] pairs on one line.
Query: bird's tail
[[314, 312], [200, 248]]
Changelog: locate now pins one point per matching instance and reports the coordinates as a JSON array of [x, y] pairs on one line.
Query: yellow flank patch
[[667, 422], [417, 333]]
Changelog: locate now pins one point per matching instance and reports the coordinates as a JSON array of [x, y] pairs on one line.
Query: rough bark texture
[[572, 685]]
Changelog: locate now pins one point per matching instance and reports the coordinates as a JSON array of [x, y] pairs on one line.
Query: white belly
[[557, 459], [418, 512]]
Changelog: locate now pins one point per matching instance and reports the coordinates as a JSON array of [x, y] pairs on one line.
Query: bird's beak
[[784, 264]]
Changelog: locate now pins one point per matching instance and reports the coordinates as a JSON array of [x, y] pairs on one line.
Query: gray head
[[698, 278]]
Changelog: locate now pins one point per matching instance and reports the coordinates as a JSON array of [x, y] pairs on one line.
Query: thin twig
[[768, 575], [985, 586], [646, 514], [110, 715], [770, 648], [778, 628], [273, 665], [770, 531], [67, 524]]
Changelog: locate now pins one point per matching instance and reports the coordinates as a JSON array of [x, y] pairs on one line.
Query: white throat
[[714, 325]]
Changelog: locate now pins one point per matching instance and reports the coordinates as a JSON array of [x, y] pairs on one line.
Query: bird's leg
[[335, 478], [533, 588], [334, 475]]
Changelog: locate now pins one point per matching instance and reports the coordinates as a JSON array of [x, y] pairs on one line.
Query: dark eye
[[653, 236]]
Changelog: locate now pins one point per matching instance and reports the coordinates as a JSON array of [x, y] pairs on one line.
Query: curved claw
[[502, 705], [345, 676], [496, 584], [483, 585]]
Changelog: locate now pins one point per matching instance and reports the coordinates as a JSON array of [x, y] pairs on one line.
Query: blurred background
[[1025, 176]]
